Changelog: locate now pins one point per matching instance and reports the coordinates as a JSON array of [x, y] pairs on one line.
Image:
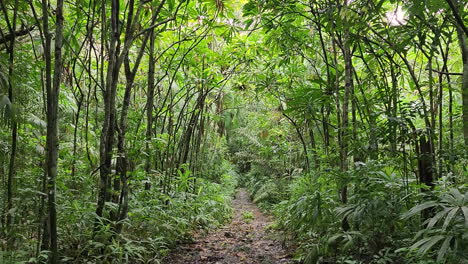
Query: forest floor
[[246, 239]]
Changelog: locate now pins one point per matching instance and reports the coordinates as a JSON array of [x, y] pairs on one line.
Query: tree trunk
[[462, 39], [14, 125], [109, 94], [348, 88], [149, 109], [52, 141]]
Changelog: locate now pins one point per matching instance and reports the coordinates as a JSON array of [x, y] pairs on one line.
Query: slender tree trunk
[[43, 216], [393, 124], [441, 135], [462, 39], [348, 88], [52, 133], [75, 139], [313, 145], [14, 143], [149, 109], [326, 110], [219, 111], [450, 106], [48, 88], [122, 159], [107, 133], [14, 124]]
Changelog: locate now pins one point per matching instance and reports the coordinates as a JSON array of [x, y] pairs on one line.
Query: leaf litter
[[244, 240]]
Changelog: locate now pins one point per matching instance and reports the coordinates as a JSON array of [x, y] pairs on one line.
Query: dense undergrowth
[[383, 211], [156, 222]]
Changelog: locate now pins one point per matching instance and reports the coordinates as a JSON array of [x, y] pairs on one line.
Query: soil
[[246, 239]]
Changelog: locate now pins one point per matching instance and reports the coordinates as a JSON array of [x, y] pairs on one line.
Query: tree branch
[[155, 26], [457, 16], [18, 33], [447, 73]]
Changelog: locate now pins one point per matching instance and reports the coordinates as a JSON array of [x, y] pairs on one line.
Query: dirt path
[[244, 240]]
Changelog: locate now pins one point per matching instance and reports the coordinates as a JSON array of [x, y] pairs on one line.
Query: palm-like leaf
[[447, 226]]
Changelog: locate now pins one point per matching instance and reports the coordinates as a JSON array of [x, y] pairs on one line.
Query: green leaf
[[418, 208], [426, 243], [443, 249], [430, 243], [449, 217], [465, 213], [437, 217]]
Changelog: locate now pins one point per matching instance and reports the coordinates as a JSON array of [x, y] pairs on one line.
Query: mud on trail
[[245, 240]]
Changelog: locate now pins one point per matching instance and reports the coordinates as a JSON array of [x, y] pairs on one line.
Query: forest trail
[[245, 240]]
